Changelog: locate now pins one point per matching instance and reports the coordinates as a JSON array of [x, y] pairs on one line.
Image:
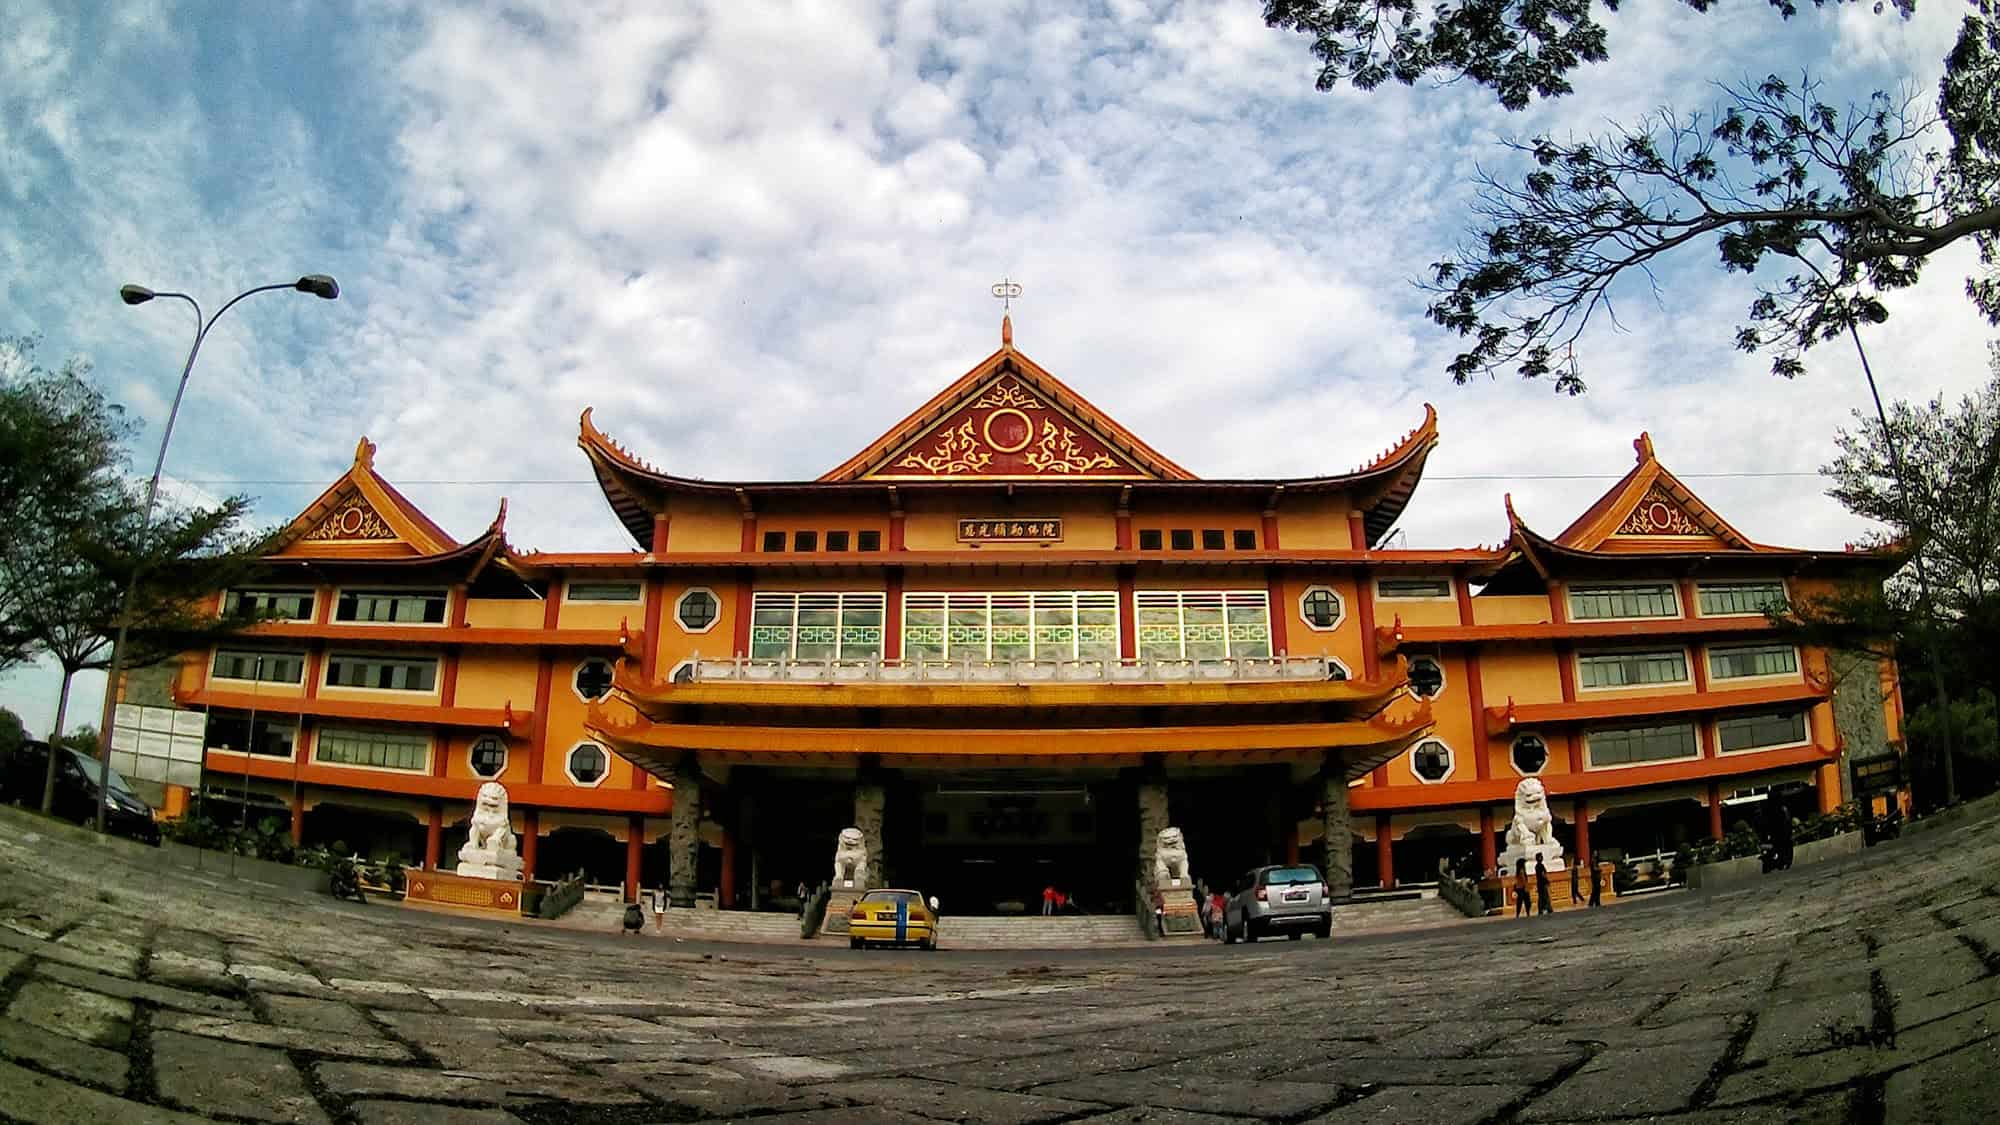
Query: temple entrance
[[990, 845]]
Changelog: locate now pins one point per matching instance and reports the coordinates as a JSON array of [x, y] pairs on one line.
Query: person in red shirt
[[1218, 908], [1048, 900]]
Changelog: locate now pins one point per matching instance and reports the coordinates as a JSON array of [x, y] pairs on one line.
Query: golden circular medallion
[[1008, 430]]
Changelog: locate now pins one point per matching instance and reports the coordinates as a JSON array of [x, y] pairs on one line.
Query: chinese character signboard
[[1039, 529]]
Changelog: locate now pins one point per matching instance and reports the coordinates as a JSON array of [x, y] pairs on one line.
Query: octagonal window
[[1430, 760], [1321, 608], [697, 610], [593, 679], [587, 763], [1530, 754], [683, 672], [487, 757], [1426, 677]]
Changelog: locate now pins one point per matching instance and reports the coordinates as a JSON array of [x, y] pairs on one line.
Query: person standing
[[660, 911], [1542, 903], [1596, 882], [1520, 888], [1048, 900], [1575, 893]]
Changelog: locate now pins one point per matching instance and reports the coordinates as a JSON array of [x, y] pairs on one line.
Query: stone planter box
[[1726, 874], [1833, 847]]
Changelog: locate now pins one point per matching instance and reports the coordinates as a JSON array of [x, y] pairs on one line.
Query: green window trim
[[816, 626], [982, 626]]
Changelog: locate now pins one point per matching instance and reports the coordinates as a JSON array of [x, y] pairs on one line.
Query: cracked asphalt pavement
[[1865, 989]]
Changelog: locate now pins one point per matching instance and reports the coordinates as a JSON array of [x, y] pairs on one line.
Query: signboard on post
[[162, 744]]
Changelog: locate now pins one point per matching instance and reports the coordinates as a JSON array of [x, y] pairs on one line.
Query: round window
[[1320, 607], [593, 679], [587, 763], [1431, 760], [696, 611], [1426, 677], [488, 757], [1530, 754]]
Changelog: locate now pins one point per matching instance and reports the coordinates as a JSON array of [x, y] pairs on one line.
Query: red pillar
[[298, 816], [725, 895], [661, 523], [1385, 860], [892, 621], [1582, 831], [531, 834], [434, 836], [1281, 611], [635, 839], [1475, 689], [1128, 614], [1489, 853], [1715, 810], [741, 640]]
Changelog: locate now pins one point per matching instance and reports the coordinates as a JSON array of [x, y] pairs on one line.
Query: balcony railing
[[1255, 669]]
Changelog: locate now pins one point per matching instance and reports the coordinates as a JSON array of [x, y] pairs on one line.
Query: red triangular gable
[[1650, 508], [361, 515], [1008, 418]]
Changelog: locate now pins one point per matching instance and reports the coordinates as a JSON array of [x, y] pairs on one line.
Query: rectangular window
[[282, 605], [774, 541], [1740, 599], [1635, 745], [601, 592], [1203, 624], [1751, 732], [261, 667], [1182, 538], [1149, 539], [1213, 539], [384, 673], [274, 736], [391, 607], [1599, 603], [1027, 625], [1245, 539], [828, 626], [836, 540], [1734, 662], [380, 749], [805, 540], [868, 540], [1412, 588], [1631, 669]]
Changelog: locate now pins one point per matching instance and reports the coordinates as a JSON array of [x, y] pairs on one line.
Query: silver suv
[[1287, 898]]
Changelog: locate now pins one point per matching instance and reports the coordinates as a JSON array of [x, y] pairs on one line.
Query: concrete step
[[1394, 914], [1037, 932]]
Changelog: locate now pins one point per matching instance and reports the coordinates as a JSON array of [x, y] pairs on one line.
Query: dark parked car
[[76, 791]]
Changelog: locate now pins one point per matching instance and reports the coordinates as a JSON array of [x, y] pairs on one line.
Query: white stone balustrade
[[1141, 671]]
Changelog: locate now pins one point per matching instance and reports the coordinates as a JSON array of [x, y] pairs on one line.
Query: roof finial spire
[[364, 454], [1644, 446], [1006, 291]]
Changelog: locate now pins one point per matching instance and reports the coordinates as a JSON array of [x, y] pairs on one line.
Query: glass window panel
[[1738, 661], [1747, 732], [380, 749], [275, 667], [1632, 745], [1598, 603], [400, 607], [923, 627], [861, 626], [1391, 588], [381, 672], [274, 736], [284, 605], [1630, 669], [604, 591], [1721, 599], [1243, 539], [868, 541], [1149, 539]]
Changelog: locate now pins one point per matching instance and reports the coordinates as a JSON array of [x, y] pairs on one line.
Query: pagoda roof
[[1651, 515], [1006, 423]]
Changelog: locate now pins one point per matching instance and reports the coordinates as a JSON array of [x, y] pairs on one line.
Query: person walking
[[660, 910], [1575, 892], [1596, 882], [1542, 903], [1520, 888]]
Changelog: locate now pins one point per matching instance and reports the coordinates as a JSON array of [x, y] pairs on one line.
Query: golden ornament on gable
[[353, 519], [1659, 514]]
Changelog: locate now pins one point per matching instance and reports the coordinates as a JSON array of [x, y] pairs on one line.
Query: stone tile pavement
[[1865, 990]]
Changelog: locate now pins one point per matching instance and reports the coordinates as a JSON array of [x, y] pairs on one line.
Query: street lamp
[[317, 284]]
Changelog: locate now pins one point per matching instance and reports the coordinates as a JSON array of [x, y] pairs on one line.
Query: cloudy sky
[[752, 235]]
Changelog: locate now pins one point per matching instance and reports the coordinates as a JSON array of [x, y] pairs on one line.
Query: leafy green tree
[[80, 536], [13, 732], [83, 740]]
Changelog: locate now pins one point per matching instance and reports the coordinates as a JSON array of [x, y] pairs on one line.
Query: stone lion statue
[[1170, 859], [489, 848], [850, 859], [1532, 825]]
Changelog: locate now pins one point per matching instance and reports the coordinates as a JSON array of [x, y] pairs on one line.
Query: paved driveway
[[1863, 990]]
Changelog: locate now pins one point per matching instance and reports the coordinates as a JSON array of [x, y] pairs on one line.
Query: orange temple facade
[[1010, 642]]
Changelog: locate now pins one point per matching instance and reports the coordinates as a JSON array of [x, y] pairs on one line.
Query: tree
[[1520, 49], [13, 732], [1851, 200], [81, 536]]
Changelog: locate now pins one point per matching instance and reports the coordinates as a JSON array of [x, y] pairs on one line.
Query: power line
[[321, 483]]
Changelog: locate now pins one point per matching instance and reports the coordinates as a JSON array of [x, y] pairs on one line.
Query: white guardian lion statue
[[1531, 834], [489, 849], [850, 860], [1170, 860]]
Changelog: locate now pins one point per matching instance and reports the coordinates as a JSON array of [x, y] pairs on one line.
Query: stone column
[[1152, 818], [684, 846], [868, 802], [1338, 836]]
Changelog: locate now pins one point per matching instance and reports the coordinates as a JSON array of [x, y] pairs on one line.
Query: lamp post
[[317, 284]]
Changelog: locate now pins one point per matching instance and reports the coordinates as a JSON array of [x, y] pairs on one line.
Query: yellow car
[[891, 917]]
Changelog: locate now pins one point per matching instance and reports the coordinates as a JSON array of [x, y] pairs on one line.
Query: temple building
[[1010, 641]]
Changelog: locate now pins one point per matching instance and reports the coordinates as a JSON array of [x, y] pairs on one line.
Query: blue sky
[[753, 235]]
